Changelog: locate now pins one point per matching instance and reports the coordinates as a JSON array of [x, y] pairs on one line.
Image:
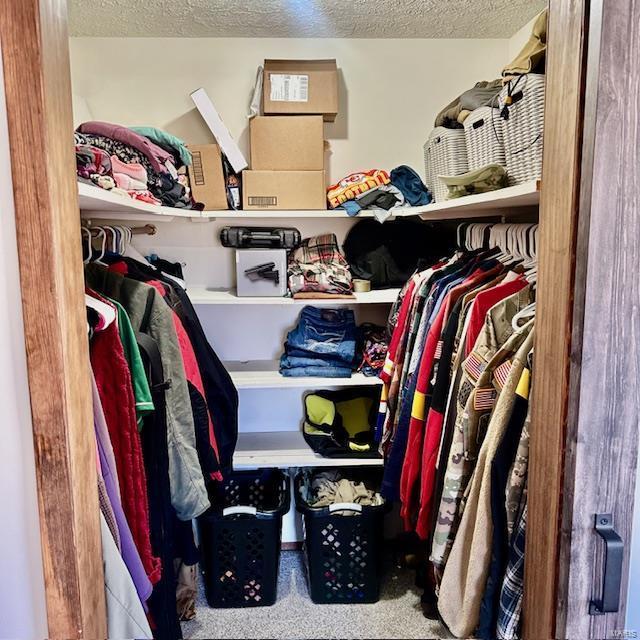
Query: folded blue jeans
[[291, 362], [317, 372], [323, 332]]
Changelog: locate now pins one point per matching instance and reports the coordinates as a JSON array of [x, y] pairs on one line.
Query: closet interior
[[312, 355]]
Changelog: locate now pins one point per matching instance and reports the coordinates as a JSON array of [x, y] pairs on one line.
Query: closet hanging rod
[[147, 229]]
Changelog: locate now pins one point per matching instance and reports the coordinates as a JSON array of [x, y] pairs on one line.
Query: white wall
[[390, 90], [22, 604]]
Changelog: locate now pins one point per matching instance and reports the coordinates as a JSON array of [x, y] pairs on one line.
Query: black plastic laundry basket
[[343, 550], [240, 538]]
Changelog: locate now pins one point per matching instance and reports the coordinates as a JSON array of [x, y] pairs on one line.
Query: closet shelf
[[101, 204], [264, 374], [520, 198], [202, 296], [285, 449]]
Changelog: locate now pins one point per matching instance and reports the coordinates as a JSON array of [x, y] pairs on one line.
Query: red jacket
[[115, 389]]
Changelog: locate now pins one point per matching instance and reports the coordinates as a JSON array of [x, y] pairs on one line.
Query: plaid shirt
[[318, 265], [513, 585]]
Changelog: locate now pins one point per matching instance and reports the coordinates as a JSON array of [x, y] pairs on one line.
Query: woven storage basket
[[483, 131], [523, 128], [445, 155]]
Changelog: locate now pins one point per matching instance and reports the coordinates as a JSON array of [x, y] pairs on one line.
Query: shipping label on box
[[301, 87], [289, 88], [283, 190]]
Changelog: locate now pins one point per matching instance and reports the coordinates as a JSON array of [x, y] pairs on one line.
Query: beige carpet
[[294, 616]]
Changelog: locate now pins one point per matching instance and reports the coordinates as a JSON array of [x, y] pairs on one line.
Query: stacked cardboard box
[[287, 151]]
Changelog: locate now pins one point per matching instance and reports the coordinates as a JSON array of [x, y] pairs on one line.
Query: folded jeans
[[317, 372], [290, 362]]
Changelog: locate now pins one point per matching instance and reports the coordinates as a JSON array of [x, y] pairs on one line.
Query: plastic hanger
[[524, 314], [103, 235], [106, 313], [83, 231], [114, 239]]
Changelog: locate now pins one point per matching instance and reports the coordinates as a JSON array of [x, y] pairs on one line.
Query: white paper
[[289, 88], [224, 139]]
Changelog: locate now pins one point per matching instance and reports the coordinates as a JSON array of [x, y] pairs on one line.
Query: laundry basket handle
[[231, 511], [345, 506]]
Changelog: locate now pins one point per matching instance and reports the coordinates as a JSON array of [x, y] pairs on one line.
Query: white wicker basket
[[523, 128], [445, 154], [483, 131]]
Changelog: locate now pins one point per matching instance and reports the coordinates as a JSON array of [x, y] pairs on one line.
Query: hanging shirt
[[483, 302], [465, 573], [453, 290], [475, 401], [141, 390]]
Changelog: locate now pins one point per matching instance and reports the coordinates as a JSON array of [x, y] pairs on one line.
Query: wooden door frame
[[559, 215], [602, 437], [570, 479], [35, 52]]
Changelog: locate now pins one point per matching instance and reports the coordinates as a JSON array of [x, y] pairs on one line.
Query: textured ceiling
[[302, 18]]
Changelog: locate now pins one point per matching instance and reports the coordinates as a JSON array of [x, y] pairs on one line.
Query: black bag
[[341, 424], [387, 254]]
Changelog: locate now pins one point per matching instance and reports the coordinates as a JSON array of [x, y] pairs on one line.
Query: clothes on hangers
[[165, 418], [452, 418]]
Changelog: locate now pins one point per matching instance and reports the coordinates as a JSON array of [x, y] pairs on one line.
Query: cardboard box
[[287, 143], [302, 87], [283, 190], [219, 130], [207, 177]]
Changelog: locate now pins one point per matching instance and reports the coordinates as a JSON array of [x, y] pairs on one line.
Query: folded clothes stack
[[143, 163], [317, 269], [379, 191], [323, 344]]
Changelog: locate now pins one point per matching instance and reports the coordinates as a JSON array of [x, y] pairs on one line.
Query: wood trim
[[559, 201], [34, 41], [602, 438], [582, 258]]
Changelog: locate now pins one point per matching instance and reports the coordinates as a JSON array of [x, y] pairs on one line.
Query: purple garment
[[130, 553], [156, 155]]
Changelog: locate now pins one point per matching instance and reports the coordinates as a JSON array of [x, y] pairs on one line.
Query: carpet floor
[[294, 616]]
